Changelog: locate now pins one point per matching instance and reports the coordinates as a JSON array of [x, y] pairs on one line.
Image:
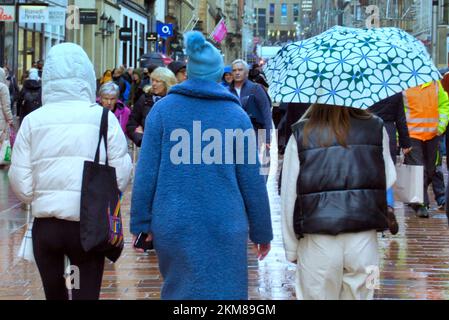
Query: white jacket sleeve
[[5, 103], [390, 169], [290, 173], [20, 173], [118, 153]]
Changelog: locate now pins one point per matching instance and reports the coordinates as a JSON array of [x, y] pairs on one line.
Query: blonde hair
[[165, 75]]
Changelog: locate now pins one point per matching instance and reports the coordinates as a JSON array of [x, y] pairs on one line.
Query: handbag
[[5, 148], [26, 247], [12, 136], [101, 227], [409, 183]]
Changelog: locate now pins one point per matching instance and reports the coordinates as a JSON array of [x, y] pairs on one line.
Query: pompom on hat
[[205, 61]]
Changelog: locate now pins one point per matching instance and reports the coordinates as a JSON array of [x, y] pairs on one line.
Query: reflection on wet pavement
[[414, 263]]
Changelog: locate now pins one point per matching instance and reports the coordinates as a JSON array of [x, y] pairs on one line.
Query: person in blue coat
[[197, 192]]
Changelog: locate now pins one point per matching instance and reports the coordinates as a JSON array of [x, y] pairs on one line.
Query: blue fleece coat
[[200, 215]]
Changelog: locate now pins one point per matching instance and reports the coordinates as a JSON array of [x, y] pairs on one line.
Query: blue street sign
[[165, 29]]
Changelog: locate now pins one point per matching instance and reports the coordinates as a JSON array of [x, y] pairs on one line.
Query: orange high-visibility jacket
[[426, 110]]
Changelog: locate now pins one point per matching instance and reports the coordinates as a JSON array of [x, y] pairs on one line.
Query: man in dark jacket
[[252, 93], [30, 97], [391, 111]]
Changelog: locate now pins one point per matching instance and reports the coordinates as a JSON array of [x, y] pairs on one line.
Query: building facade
[[117, 32], [113, 32], [25, 40], [277, 21]]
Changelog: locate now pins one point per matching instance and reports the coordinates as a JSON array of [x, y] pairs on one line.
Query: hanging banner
[[56, 16], [33, 14], [7, 13], [220, 31]]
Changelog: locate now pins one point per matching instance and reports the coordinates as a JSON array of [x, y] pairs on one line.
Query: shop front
[[7, 32], [28, 30], [40, 26], [135, 19]]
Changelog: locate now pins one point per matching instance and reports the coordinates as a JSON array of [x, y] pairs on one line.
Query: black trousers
[[52, 239], [438, 186], [424, 153]]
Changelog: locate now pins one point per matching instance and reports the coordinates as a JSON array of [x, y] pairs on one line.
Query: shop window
[[20, 66], [125, 43], [136, 44], [142, 41], [272, 10], [284, 13], [29, 49]]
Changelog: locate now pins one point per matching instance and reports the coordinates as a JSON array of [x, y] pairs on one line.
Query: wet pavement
[[414, 263]]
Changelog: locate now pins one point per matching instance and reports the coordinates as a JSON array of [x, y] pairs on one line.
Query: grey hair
[[109, 88], [243, 62]]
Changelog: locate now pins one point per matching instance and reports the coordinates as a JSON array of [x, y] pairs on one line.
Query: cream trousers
[[337, 267]]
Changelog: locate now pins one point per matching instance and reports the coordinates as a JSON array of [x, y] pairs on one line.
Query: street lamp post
[[107, 29], [249, 20]]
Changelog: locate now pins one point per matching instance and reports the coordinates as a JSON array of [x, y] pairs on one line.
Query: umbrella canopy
[[154, 58], [443, 71], [349, 67]]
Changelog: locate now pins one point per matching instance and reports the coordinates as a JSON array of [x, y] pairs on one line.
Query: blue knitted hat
[[205, 61]]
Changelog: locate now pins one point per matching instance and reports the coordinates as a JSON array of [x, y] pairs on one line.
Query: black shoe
[[442, 207], [423, 212], [392, 222]]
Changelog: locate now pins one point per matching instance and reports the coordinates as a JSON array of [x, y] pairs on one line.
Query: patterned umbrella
[[349, 67]]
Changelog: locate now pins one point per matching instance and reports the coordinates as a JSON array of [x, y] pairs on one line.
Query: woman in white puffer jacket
[[6, 117], [47, 168]]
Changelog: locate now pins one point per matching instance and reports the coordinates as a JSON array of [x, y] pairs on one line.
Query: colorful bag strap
[[3, 135]]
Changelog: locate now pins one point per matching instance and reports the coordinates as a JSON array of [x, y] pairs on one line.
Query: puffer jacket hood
[[62, 82], [2, 76]]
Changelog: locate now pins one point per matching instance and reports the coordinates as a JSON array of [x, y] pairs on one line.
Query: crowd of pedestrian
[[200, 216]]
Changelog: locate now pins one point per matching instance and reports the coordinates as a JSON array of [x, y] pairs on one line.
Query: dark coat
[[30, 98], [341, 189], [137, 118], [13, 88], [391, 111], [262, 100]]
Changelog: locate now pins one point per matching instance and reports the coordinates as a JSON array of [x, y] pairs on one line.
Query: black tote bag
[[101, 226]]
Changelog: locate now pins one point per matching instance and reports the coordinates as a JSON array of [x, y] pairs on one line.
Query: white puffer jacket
[[5, 102], [54, 141]]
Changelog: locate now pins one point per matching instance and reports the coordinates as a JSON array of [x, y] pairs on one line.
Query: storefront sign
[[126, 34], [164, 29], [152, 36], [56, 16], [33, 14], [7, 13], [88, 16]]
